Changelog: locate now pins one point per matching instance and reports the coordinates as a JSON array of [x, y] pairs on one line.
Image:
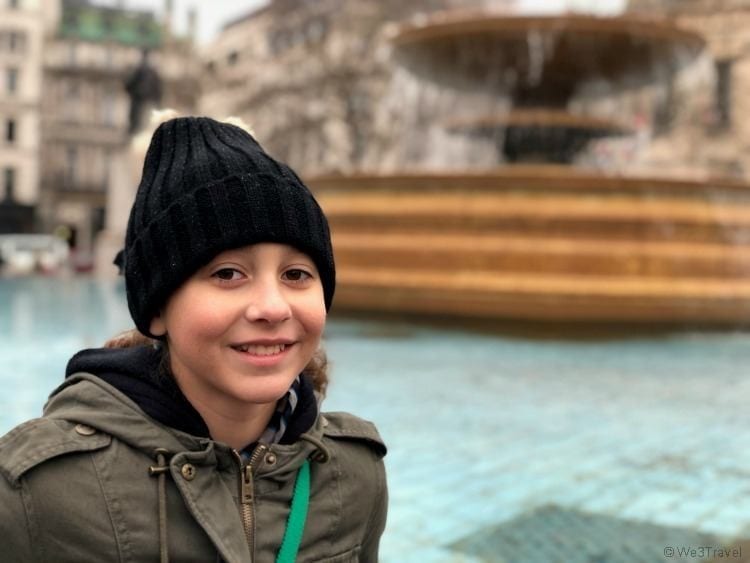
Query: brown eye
[[297, 275], [226, 274]]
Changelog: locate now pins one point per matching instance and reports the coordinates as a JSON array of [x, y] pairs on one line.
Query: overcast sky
[[213, 14]]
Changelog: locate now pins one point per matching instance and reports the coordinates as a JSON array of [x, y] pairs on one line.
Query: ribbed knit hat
[[208, 187]]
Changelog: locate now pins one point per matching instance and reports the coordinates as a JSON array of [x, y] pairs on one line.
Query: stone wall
[[316, 81], [711, 132], [321, 87]]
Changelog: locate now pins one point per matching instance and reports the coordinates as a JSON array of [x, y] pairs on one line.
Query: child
[[204, 442]]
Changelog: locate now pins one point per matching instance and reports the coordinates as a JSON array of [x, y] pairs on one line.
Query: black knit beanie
[[208, 187]]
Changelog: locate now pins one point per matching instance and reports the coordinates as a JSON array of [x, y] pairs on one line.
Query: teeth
[[257, 350]]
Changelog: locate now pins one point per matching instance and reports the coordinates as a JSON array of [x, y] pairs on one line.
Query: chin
[[264, 390]]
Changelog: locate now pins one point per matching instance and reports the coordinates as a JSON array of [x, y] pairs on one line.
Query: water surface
[[482, 428]]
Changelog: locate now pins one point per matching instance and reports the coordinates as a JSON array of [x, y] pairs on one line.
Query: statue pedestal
[[107, 245]]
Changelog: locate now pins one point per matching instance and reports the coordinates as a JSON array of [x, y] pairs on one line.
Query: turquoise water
[[43, 321], [481, 427]]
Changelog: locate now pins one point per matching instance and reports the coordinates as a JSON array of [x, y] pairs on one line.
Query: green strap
[[297, 516]]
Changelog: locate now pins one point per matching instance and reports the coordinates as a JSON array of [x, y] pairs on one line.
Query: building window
[[12, 41], [11, 80], [723, 94], [98, 219], [71, 102], [10, 130], [108, 108], [316, 29], [13, 4], [72, 91], [276, 42], [10, 184], [232, 58], [71, 167], [106, 169], [664, 113]]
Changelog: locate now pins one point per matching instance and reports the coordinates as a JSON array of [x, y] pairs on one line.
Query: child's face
[[244, 326]]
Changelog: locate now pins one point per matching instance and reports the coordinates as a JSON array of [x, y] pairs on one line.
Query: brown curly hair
[[317, 367]]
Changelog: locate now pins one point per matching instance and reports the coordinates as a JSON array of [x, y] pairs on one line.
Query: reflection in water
[[21, 316]]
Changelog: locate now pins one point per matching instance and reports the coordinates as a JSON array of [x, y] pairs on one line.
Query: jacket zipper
[[247, 493]]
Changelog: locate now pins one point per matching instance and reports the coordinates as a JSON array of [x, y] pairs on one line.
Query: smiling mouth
[[261, 350]]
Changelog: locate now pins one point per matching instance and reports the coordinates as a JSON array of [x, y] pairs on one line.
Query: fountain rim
[[450, 24], [541, 175], [539, 117]]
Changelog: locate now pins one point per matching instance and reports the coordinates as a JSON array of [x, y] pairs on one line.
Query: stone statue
[[144, 87]]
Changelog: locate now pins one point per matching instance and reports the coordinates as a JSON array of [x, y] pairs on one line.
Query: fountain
[[538, 238], [540, 63]]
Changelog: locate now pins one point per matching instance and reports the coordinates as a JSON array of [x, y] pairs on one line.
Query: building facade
[[100, 64], [720, 136], [22, 29], [310, 77]]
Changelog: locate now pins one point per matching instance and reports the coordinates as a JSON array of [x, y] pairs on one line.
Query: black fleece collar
[[136, 373]]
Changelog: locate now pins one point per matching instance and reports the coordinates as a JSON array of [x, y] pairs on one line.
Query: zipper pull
[[246, 485], [247, 489], [247, 493]]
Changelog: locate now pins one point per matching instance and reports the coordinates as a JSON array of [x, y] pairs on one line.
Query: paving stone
[[554, 534]]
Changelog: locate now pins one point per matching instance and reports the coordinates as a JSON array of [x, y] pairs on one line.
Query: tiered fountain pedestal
[[542, 243]]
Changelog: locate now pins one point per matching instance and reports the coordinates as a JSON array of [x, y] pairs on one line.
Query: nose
[[269, 303]]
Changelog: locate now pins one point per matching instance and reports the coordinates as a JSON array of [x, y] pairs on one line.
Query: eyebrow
[[238, 254], [294, 253]]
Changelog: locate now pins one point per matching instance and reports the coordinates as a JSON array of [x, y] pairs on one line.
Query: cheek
[[192, 320], [318, 323], [313, 319]]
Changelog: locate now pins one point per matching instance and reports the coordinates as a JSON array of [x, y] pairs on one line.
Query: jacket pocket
[[351, 556]]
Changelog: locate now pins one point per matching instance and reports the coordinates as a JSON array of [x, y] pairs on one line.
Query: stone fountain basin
[[541, 243], [538, 135], [552, 54], [538, 118]]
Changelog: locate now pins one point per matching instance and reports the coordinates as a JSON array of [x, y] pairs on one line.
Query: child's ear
[[157, 326]]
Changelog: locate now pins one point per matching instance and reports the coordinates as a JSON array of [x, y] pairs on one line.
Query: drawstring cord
[[297, 514], [160, 471]]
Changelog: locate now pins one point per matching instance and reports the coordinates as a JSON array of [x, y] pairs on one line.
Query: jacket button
[[270, 458], [188, 471], [84, 430]]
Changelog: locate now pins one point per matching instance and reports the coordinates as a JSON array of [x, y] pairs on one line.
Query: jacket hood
[[137, 373], [85, 398], [125, 393]]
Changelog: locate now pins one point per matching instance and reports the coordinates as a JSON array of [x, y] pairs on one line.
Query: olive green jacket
[[82, 484]]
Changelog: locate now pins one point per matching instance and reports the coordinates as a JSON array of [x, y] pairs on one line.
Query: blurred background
[[541, 218]]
